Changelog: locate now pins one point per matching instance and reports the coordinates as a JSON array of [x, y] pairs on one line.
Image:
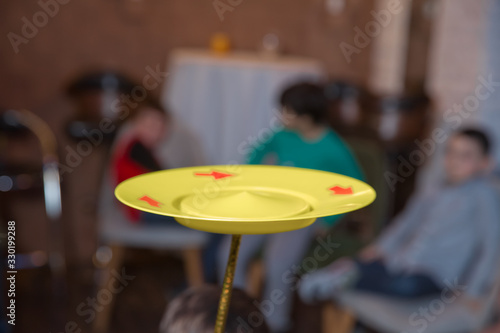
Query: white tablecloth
[[230, 100]]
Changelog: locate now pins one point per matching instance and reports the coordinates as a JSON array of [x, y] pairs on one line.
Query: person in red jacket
[[134, 154]]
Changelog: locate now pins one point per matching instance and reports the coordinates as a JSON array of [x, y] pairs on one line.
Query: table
[[230, 101]]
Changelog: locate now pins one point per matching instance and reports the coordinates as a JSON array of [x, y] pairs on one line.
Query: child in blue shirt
[[304, 142], [445, 239]]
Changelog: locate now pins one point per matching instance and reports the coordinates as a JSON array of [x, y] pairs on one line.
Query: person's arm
[[263, 153], [401, 227], [342, 161], [351, 166], [488, 223]]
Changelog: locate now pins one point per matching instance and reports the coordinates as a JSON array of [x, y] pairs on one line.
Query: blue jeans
[[374, 277]]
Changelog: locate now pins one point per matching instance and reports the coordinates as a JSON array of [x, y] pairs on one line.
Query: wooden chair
[[336, 320], [120, 234], [390, 315], [457, 313]]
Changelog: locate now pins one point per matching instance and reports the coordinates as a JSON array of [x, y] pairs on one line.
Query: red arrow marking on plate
[[215, 174], [341, 190], [150, 201]]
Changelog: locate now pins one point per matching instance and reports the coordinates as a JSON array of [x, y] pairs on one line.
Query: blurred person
[[304, 142], [134, 154], [195, 311], [445, 240]]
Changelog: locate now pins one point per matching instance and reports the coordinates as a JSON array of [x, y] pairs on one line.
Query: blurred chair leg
[[336, 320], [255, 278], [102, 320], [193, 266]]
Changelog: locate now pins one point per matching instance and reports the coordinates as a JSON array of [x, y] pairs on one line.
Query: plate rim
[[309, 214]]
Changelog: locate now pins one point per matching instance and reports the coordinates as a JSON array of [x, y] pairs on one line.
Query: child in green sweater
[[304, 142]]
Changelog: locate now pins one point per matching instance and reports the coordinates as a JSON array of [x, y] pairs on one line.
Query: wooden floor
[[139, 307]]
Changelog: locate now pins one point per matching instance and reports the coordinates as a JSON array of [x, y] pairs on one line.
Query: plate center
[[245, 204]]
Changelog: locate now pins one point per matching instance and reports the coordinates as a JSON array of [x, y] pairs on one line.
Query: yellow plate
[[244, 199]]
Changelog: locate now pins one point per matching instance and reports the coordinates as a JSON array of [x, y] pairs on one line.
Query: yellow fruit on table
[[220, 43]]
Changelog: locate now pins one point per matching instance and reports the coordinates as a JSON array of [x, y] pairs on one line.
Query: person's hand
[[324, 283], [316, 286], [370, 253], [474, 304]]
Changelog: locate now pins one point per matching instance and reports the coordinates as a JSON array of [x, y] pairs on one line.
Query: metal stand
[[52, 196], [227, 285]]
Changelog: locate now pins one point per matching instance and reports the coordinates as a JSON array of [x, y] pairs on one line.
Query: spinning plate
[[244, 199]]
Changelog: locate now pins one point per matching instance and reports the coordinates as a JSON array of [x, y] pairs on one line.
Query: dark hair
[[152, 104], [479, 136], [306, 99], [195, 310]]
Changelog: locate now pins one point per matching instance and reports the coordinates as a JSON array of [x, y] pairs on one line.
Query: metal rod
[[52, 196], [227, 285]]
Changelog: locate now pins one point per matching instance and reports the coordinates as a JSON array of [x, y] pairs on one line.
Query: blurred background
[[394, 71]]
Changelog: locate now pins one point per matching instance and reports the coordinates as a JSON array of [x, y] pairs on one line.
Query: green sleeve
[[345, 163], [329, 221]]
